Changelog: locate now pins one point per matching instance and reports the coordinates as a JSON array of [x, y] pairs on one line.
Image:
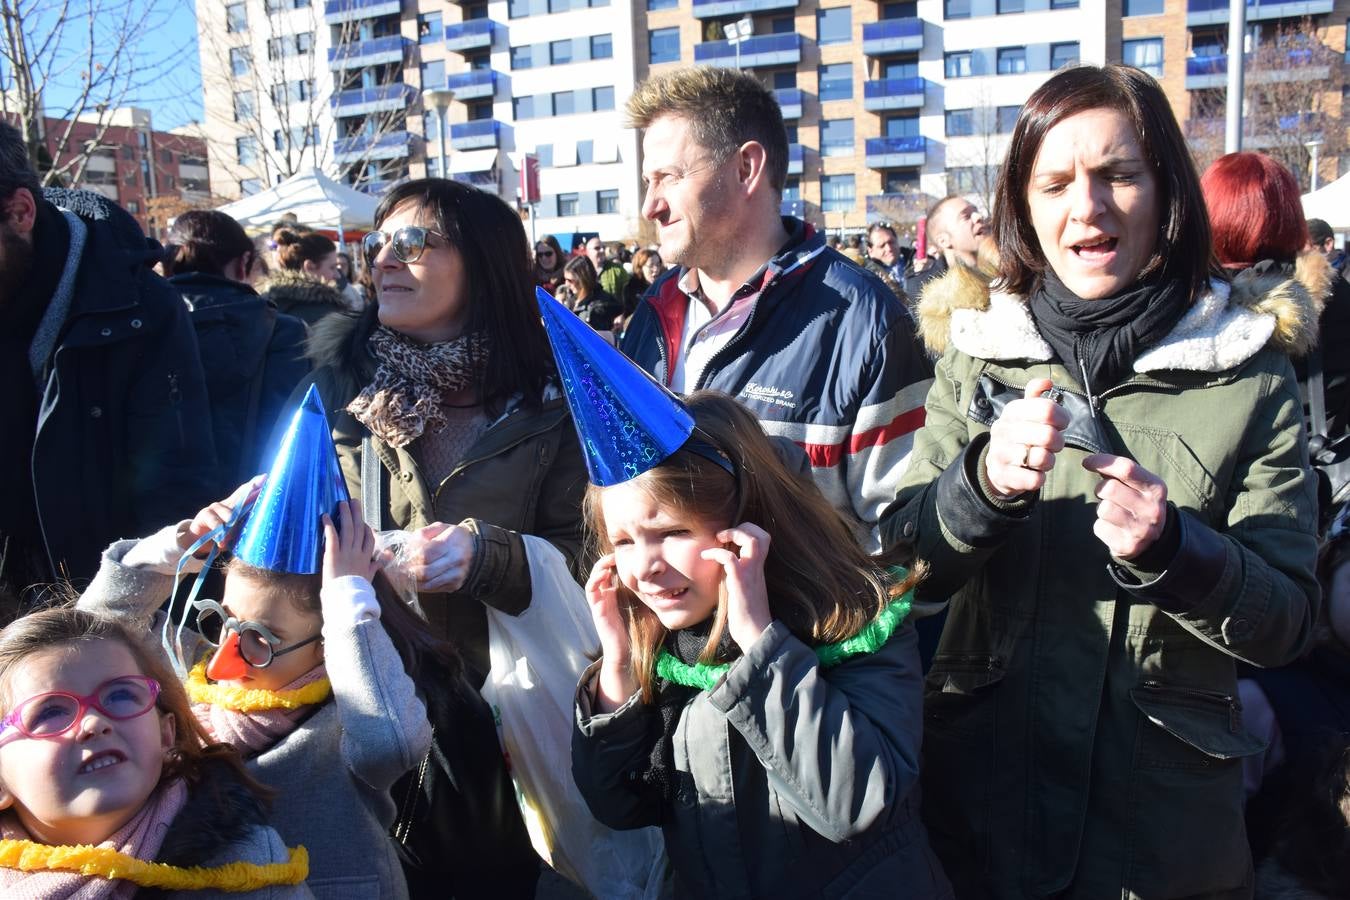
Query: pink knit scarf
[[141, 837], [252, 733]]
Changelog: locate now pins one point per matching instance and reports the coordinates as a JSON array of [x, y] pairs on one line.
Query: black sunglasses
[[408, 242]]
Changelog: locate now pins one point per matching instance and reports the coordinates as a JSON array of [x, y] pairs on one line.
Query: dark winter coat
[[308, 299], [599, 310], [253, 357], [524, 474], [1082, 732], [792, 780], [124, 440]]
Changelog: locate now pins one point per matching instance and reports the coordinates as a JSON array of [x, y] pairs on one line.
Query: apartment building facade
[[889, 104], [134, 164]]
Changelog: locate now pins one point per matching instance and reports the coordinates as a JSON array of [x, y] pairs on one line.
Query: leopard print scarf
[[405, 397]]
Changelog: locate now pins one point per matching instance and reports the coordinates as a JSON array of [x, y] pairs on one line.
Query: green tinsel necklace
[[870, 639]]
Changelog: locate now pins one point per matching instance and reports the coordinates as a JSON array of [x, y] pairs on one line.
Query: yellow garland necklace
[[104, 862], [245, 700]]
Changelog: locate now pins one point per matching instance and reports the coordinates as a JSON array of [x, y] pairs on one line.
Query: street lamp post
[[736, 33], [439, 99], [1313, 146]]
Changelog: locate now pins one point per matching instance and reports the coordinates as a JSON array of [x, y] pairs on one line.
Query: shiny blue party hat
[[284, 531], [626, 421]]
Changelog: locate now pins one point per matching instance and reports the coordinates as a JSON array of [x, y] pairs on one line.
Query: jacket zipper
[[1197, 692], [738, 338]]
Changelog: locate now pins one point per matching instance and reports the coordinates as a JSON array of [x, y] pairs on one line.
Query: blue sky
[[175, 98]]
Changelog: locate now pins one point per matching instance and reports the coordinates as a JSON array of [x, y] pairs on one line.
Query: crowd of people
[[1012, 564]]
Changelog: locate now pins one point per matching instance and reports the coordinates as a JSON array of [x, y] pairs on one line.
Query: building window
[[304, 42], [1062, 55], [276, 48], [133, 207], [653, 5], [607, 202], [960, 122], [602, 46], [1142, 8], [1063, 4], [523, 108], [835, 25], [604, 98], [544, 153], [836, 137], [784, 79], [560, 52], [1144, 53], [250, 186], [663, 44], [902, 126], [792, 190], [900, 9], [236, 18], [245, 107], [520, 57], [246, 151], [1006, 118], [836, 82], [567, 204], [963, 180], [1011, 6], [956, 9], [240, 60], [433, 74], [836, 193], [429, 28], [958, 64], [900, 69], [564, 103], [585, 152], [1012, 60], [900, 181]]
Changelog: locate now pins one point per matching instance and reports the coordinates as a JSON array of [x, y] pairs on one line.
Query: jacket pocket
[[1189, 744], [348, 887]]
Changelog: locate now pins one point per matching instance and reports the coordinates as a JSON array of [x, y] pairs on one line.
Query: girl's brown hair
[[295, 249], [822, 585], [67, 626]]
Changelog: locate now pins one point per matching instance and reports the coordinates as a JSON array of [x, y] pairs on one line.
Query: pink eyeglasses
[[52, 714]]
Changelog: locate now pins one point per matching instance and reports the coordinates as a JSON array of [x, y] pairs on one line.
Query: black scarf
[[1099, 340], [685, 645]]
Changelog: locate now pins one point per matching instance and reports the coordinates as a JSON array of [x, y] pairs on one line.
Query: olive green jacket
[[1082, 733]]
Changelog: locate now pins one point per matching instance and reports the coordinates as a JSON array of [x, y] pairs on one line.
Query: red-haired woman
[[1260, 236]]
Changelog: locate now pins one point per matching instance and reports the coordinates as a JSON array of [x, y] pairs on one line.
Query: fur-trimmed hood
[[1223, 328], [287, 289]]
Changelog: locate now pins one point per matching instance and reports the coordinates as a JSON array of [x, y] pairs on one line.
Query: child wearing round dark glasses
[[309, 676], [104, 771]]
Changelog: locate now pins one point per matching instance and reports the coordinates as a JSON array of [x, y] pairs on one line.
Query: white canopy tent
[[316, 200], [1330, 203]]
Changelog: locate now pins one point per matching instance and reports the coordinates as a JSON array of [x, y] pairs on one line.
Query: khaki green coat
[[1079, 740]]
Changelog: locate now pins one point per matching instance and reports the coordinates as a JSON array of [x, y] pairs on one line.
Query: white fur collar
[[1213, 336]]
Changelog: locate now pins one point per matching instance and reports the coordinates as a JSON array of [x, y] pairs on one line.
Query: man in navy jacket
[[755, 305]]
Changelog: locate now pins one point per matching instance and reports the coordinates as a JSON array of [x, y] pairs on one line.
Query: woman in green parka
[[1113, 494]]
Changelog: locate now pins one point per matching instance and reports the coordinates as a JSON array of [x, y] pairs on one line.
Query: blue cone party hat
[[627, 422], [284, 531]]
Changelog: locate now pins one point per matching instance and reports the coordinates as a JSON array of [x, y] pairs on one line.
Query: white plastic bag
[[537, 660]]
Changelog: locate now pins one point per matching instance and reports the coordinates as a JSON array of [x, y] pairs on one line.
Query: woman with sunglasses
[[104, 771], [548, 263]]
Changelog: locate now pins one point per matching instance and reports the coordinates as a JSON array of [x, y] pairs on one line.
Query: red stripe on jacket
[[824, 456]]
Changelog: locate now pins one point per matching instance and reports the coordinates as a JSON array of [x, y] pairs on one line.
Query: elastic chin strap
[[699, 445], [173, 647]]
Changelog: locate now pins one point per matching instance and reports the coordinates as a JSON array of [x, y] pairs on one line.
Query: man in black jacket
[[105, 424]]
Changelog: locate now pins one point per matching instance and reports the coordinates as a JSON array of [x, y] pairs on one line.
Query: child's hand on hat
[[747, 596], [348, 549], [217, 514]]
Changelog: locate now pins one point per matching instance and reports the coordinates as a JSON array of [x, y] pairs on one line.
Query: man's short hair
[[934, 211], [1319, 231], [881, 226], [16, 170], [724, 108]]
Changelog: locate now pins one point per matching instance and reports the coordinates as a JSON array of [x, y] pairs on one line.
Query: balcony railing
[[1212, 71], [374, 52], [896, 152], [363, 101], [471, 35], [393, 145], [892, 36], [893, 93], [800, 209], [476, 135], [796, 159], [707, 9], [897, 204], [475, 85], [1213, 12], [790, 102], [769, 50], [335, 12]]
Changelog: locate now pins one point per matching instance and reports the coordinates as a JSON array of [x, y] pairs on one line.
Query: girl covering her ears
[[310, 677], [108, 784], [758, 696]]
